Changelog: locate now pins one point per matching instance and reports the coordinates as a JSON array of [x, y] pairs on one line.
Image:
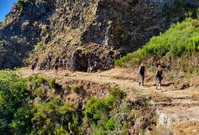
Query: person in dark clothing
[[159, 76], [56, 67], [33, 67], [142, 71]]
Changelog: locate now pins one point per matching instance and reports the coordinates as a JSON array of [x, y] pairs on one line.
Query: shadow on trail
[[148, 85], [168, 84]]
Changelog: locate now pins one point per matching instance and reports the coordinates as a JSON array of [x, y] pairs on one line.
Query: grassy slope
[[178, 47]]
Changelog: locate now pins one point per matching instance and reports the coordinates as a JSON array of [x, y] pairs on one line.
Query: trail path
[[178, 109]]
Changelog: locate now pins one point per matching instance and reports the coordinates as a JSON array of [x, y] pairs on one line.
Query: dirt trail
[[177, 109]]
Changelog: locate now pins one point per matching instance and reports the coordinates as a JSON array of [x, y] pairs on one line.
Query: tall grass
[[180, 41]]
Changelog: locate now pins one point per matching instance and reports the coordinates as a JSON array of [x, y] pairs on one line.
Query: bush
[[52, 83], [121, 62], [117, 93], [193, 44], [124, 128], [22, 121], [95, 109], [39, 45], [99, 113], [76, 88], [21, 4], [39, 92], [13, 95], [109, 101], [53, 117], [37, 80], [111, 124]]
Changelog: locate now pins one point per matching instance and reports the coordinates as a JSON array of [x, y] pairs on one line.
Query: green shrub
[[122, 61], [54, 117], [95, 108], [39, 45], [86, 51], [109, 101], [19, 115], [99, 113], [111, 124], [117, 93], [52, 83], [193, 44], [124, 128], [41, 79], [39, 92], [101, 57], [21, 4], [37, 80], [21, 121], [59, 130], [76, 88]]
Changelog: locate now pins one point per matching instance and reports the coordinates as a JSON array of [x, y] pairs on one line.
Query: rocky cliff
[[84, 35]]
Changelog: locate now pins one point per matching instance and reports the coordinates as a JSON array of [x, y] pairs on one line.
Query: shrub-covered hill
[[177, 48], [37, 106]]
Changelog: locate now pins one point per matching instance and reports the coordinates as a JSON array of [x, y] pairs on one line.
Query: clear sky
[[5, 7]]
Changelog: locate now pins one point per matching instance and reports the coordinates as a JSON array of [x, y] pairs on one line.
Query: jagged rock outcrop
[[84, 35]]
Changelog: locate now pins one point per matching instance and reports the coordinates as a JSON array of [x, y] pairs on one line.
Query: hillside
[[175, 107], [83, 35], [98, 45], [109, 102]]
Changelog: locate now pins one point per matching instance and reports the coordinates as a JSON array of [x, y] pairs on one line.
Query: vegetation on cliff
[[177, 47]]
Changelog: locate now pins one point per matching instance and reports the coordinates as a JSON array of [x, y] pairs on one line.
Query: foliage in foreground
[[20, 115], [99, 112], [25, 109], [13, 95]]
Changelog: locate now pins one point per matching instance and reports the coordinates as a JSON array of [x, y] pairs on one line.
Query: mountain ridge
[[35, 30]]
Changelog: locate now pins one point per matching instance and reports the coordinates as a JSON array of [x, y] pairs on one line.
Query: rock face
[[84, 35]]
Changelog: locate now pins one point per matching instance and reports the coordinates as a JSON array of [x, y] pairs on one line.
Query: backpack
[[56, 66], [142, 69], [159, 74]]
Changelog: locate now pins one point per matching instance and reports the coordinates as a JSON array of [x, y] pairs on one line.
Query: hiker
[[60, 62], [33, 67], [64, 63], [56, 67], [142, 71], [48, 58], [159, 73]]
